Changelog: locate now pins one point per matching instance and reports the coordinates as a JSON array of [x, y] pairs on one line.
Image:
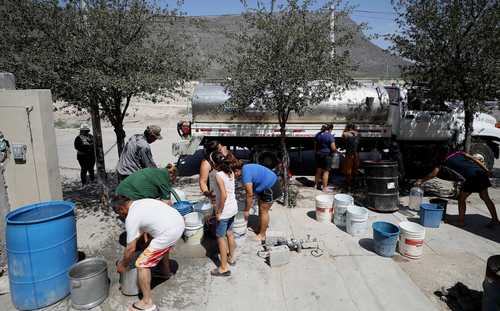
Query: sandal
[[135, 307], [216, 272], [231, 262]]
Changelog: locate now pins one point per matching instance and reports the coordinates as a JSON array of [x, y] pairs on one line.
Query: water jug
[[335, 160], [416, 195]]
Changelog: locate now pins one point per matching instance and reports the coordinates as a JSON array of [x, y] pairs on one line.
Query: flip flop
[[135, 307], [231, 262], [216, 272]]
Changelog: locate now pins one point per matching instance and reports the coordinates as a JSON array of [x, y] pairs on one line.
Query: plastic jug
[[335, 160], [416, 196]]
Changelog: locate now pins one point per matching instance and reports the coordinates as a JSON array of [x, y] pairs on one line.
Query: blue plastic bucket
[[41, 248], [184, 207], [385, 238], [430, 215]]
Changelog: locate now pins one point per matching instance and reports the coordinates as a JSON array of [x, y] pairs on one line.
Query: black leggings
[[87, 165]]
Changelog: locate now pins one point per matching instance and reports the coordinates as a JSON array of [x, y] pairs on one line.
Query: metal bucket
[[89, 283], [128, 282]]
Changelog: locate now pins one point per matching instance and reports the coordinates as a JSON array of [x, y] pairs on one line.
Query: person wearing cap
[[136, 154], [84, 145]]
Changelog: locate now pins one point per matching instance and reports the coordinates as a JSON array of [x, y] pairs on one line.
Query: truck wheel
[[484, 150]]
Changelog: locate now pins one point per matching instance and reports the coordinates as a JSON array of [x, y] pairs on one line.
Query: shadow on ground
[[460, 298], [478, 225]]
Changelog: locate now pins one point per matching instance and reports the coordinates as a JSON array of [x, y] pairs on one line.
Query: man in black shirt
[[84, 145]]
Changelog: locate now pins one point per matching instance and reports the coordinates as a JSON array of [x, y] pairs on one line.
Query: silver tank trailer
[[360, 105]]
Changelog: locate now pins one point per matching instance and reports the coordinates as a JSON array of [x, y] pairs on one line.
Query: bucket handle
[[76, 284]]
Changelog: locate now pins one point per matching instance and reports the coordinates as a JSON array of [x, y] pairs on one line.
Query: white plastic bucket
[[411, 239], [342, 202], [205, 208], [324, 208], [181, 194], [239, 225], [193, 235], [357, 220], [194, 219]]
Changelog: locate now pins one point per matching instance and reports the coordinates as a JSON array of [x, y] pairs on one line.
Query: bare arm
[[204, 171], [433, 174], [249, 196], [333, 147], [127, 255], [223, 196]]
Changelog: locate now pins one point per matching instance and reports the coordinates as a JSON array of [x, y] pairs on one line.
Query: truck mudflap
[[186, 147]]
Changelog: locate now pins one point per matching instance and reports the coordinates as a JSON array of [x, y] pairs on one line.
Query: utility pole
[[332, 28]]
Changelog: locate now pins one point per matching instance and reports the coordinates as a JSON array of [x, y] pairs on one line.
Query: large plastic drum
[[382, 183], [41, 248]]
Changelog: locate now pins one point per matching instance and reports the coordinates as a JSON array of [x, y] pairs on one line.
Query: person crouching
[[143, 218]]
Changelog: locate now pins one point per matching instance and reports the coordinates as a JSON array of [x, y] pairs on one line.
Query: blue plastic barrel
[[430, 215], [183, 207], [41, 248], [385, 238]]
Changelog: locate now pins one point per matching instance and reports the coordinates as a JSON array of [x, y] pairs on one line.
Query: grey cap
[[84, 127], [154, 130]]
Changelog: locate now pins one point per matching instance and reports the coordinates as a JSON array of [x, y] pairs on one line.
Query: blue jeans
[[223, 226]]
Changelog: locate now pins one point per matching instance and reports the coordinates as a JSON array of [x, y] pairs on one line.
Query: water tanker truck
[[385, 118]]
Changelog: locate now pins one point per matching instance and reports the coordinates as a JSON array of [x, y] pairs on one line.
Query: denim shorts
[[223, 226]]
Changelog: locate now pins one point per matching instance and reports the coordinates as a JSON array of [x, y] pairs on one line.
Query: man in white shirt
[[148, 217]]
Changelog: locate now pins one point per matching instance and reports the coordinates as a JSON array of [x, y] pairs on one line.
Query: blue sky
[[378, 14]]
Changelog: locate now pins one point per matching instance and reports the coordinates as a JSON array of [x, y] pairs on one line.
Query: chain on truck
[[390, 126]]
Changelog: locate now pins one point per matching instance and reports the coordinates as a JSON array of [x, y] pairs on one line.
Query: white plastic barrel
[[239, 225], [357, 220], [342, 202], [411, 239], [193, 233], [324, 207]]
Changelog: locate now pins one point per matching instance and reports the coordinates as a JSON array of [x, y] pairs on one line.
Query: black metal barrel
[[382, 182]]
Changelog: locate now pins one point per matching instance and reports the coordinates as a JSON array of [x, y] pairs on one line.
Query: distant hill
[[209, 36]]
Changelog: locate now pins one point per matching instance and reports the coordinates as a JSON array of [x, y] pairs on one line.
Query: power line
[[375, 12]]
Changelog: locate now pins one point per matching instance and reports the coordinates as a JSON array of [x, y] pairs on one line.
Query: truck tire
[[483, 149]]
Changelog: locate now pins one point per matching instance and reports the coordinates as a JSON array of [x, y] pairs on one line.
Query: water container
[[357, 220], [411, 242], [385, 238], [415, 198], [178, 195], [441, 202], [430, 215], [324, 207], [382, 182], [335, 160], [239, 225], [41, 248], [193, 219], [183, 207], [342, 202]]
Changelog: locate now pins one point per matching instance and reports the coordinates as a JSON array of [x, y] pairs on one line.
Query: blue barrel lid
[[39, 212]]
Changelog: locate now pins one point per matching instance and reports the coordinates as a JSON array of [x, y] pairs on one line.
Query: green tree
[[96, 54], [284, 60], [454, 49]]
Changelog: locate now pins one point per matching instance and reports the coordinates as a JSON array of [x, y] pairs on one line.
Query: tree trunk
[[285, 164], [98, 147], [4, 209], [469, 119], [120, 138]]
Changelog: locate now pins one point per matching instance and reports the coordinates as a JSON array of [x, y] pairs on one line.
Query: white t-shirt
[[231, 205], [161, 221]]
